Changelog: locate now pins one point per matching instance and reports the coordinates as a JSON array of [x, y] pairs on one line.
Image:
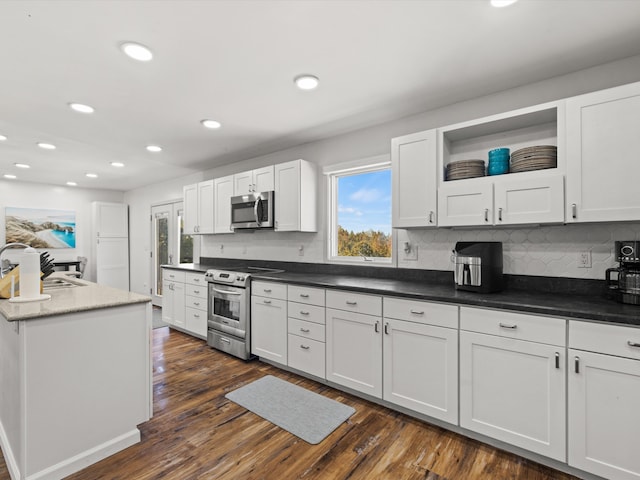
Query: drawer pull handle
[[504, 325], [268, 302], [196, 291], [486, 214], [305, 330], [574, 210], [557, 360], [376, 327], [305, 347], [302, 312], [225, 340], [351, 303], [304, 295], [196, 304], [196, 315], [500, 214], [267, 290], [431, 216], [577, 364], [386, 328], [417, 312], [633, 344], [196, 279]]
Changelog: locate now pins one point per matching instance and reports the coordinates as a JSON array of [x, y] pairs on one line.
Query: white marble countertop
[[82, 297]]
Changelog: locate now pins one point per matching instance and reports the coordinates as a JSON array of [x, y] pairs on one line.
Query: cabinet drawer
[[195, 302], [195, 279], [354, 302], [418, 311], [199, 291], [521, 326], [307, 355], [304, 329], [312, 296], [311, 313], [173, 275], [196, 321], [610, 339], [269, 290]]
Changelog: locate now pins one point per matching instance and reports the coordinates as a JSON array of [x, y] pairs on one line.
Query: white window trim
[[369, 164]]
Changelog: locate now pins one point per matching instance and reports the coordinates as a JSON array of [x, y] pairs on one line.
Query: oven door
[[228, 309]]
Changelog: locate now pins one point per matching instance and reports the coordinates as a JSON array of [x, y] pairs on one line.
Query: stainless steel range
[[229, 309]]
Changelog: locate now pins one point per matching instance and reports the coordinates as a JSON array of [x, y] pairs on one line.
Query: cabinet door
[[604, 395], [532, 200], [602, 155], [167, 302], [190, 202], [354, 351], [223, 193], [465, 203], [196, 322], [179, 305], [112, 262], [206, 196], [263, 179], [287, 196], [243, 183], [413, 167], [421, 368], [269, 328], [111, 219], [514, 391]]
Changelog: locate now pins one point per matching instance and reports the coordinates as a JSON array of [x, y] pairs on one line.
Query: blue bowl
[[497, 168], [499, 152]]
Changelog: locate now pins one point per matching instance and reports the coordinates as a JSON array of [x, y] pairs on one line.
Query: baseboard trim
[[9, 458]]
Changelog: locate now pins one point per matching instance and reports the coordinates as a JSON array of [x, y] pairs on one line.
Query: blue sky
[[364, 201]]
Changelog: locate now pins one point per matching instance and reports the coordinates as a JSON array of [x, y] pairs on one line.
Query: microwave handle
[[255, 211]]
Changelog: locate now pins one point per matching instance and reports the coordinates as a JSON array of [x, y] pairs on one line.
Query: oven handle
[[225, 292], [255, 211]]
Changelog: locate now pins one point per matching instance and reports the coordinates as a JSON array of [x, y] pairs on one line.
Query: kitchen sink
[[54, 283]]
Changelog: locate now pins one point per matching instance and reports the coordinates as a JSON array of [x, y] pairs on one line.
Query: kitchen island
[[75, 377]]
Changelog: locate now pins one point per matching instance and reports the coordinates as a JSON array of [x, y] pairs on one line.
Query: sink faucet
[[8, 245]]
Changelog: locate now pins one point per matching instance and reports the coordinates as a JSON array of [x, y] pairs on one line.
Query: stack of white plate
[[534, 158], [464, 169]]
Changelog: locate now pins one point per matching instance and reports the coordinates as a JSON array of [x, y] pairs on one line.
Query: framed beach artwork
[[41, 228]]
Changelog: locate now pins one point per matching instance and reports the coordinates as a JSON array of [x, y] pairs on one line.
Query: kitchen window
[[360, 213]]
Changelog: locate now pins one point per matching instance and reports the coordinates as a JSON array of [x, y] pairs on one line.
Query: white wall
[[140, 201], [36, 195], [548, 251]]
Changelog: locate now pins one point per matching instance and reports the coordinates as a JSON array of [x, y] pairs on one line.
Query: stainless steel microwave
[[253, 210]]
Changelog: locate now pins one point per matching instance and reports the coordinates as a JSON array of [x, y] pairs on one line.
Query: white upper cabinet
[[258, 180], [223, 192], [602, 155], [295, 197], [513, 198], [199, 207], [414, 177]]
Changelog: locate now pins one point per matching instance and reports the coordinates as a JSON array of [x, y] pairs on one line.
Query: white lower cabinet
[[196, 305], [173, 303], [512, 386], [604, 399], [306, 327], [420, 360], [269, 321]]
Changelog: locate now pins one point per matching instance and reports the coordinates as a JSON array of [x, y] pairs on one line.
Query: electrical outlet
[[301, 251], [584, 259], [412, 254]]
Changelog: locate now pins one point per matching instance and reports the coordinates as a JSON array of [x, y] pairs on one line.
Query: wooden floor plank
[[196, 433]]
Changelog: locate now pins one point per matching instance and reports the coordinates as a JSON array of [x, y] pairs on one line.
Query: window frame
[[366, 165]]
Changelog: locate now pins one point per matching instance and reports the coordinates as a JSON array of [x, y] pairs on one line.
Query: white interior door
[[169, 246]]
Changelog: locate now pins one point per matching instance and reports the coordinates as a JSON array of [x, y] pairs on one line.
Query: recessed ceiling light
[[502, 3], [72, 184], [22, 165], [137, 51], [211, 124], [91, 175], [79, 107], [47, 146], [2, 138], [306, 82], [154, 148], [8, 175], [117, 164]]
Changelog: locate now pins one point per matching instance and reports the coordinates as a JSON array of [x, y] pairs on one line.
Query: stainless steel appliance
[[228, 312], [252, 211], [626, 287], [478, 266]]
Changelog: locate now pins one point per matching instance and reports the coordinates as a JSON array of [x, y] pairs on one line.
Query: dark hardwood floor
[[196, 433]]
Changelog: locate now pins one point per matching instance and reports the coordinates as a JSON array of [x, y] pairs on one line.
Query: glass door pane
[[185, 247], [161, 238]]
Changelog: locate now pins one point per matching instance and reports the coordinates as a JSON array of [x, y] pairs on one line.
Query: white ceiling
[[234, 61]]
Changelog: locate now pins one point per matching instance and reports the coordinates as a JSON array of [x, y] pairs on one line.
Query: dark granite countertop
[[560, 297]]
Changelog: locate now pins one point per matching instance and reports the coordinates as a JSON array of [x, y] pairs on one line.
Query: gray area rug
[[303, 413], [156, 318]]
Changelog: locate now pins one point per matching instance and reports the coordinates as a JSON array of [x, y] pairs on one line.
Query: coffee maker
[[478, 266], [626, 287]]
